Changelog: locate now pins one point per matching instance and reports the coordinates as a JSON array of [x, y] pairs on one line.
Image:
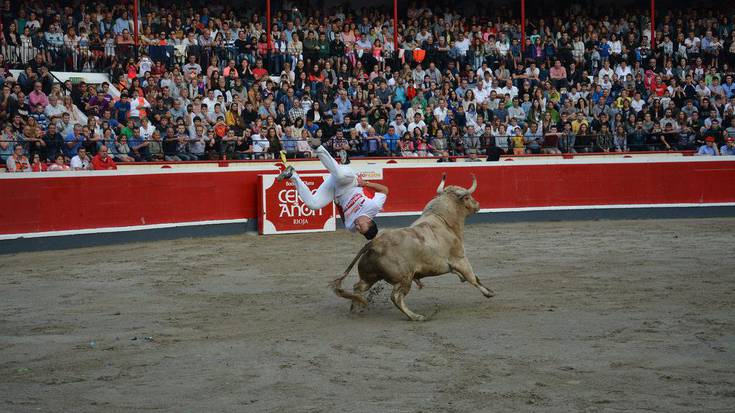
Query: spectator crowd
[[205, 83]]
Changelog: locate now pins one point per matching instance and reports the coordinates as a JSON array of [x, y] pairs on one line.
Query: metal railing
[[170, 149]]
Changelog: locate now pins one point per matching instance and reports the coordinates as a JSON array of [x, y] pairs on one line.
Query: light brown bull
[[433, 245]]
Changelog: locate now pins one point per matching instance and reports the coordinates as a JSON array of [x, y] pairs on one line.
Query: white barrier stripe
[[575, 207], [315, 167], [120, 229]]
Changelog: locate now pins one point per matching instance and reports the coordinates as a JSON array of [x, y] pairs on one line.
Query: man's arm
[[372, 185]]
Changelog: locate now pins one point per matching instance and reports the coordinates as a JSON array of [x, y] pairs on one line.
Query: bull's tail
[[337, 283]]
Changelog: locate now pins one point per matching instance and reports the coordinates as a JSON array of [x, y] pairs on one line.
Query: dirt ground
[[588, 316]]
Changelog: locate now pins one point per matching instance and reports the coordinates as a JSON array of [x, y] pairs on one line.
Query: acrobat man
[[357, 206]]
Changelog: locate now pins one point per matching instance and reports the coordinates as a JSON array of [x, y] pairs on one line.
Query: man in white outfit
[[343, 186]]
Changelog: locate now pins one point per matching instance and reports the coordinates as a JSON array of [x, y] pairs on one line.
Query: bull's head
[[461, 196]]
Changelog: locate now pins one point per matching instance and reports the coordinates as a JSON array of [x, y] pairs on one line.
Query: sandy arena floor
[[588, 316]]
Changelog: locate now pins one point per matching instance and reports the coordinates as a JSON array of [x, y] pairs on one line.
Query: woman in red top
[[316, 76], [132, 69], [59, 164], [37, 165]]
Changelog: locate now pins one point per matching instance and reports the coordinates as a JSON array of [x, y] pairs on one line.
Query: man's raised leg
[[344, 175], [319, 199]]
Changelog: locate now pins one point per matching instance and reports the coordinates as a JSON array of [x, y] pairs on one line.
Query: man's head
[[366, 226]]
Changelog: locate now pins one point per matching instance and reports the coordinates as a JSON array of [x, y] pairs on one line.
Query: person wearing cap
[[709, 148], [729, 147], [357, 206]]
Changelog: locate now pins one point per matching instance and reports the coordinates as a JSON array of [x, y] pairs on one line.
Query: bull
[[433, 245]]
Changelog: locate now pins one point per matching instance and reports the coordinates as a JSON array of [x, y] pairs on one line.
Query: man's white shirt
[[355, 203]]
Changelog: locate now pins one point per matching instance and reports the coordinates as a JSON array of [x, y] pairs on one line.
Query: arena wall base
[[580, 215], [123, 236]]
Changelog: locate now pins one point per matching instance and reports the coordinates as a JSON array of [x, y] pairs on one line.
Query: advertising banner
[[282, 211]]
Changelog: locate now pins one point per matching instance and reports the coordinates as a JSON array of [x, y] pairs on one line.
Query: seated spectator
[[138, 146], [444, 157], [18, 161], [729, 147], [81, 161], [103, 161], [709, 148], [59, 164], [472, 156], [518, 142]]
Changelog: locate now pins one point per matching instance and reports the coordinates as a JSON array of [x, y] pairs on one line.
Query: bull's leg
[[400, 290], [360, 288], [464, 270]]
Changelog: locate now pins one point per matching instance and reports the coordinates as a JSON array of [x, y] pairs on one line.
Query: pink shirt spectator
[[37, 97]]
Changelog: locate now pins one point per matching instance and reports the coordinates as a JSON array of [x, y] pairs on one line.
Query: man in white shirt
[[138, 105], [462, 44], [509, 89], [260, 144], [344, 187], [637, 103], [363, 127], [417, 123], [210, 101], [146, 129], [54, 107], [622, 70], [480, 92], [399, 124], [606, 70], [441, 111], [81, 162]]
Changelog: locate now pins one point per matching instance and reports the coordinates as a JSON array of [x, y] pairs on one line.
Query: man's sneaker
[[283, 158], [286, 174]]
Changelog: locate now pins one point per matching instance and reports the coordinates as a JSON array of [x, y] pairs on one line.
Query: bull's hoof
[[488, 293], [418, 317], [356, 308]]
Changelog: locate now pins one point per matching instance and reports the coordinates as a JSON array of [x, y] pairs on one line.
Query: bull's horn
[[440, 188], [474, 184]]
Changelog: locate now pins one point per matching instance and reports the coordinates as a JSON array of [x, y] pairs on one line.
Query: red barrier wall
[[67, 203], [570, 185], [40, 204]]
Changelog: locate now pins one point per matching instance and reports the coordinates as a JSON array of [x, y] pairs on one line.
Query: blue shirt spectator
[[709, 148], [344, 105], [73, 142], [391, 139], [728, 148]]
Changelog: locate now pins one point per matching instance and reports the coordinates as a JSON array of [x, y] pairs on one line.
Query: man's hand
[[360, 181]]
